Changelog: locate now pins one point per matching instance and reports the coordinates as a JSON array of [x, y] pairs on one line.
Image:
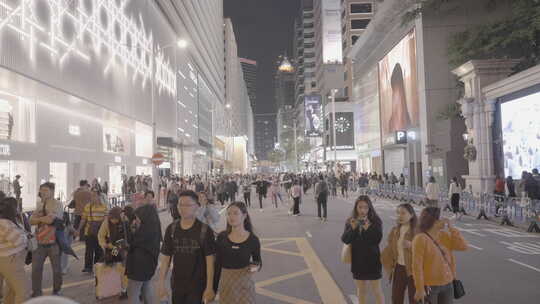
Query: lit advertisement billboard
[[521, 134], [398, 88], [344, 131], [313, 115], [332, 51]]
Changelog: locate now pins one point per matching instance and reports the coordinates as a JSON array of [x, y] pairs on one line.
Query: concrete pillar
[[479, 116]]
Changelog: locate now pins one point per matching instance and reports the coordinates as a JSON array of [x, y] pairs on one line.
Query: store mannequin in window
[[400, 119]]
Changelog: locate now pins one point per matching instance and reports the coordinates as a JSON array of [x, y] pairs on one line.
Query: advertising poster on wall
[[398, 88], [521, 134], [331, 36], [115, 140], [344, 131], [313, 114]]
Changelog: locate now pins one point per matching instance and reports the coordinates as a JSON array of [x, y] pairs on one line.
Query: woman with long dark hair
[[434, 264], [238, 253], [397, 255], [363, 231]]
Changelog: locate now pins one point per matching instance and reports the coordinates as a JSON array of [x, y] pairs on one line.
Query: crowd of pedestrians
[[207, 259]]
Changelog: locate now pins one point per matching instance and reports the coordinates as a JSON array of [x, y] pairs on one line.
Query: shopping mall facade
[[76, 94]]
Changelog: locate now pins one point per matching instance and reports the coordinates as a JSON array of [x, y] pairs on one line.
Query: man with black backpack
[[191, 245], [321, 195]]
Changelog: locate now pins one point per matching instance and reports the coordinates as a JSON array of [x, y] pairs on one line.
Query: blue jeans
[[64, 259], [441, 294], [134, 291]]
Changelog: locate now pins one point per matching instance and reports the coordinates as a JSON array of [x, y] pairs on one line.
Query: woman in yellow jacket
[[434, 264], [397, 255], [112, 231]]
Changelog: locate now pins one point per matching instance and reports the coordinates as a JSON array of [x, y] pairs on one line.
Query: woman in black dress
[[363, 232]]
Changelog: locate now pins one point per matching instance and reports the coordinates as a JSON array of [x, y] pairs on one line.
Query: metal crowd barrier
[[518, 210]]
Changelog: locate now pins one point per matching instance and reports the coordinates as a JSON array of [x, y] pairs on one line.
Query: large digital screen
[[521, 134], [344, 131], [313, 114], [398, 88]]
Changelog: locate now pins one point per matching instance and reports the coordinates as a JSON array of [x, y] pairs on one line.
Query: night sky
[[264, 30]]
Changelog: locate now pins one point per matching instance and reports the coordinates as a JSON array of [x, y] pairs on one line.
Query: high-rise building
[[285, 98], [250, 76], [265, 135], [355, 17], [304, 52], [237, 108]]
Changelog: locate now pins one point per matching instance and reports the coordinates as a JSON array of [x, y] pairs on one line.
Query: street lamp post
[[295, 145], [334, 125]]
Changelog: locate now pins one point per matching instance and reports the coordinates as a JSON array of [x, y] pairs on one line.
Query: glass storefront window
[[115, 179], [115, 140], [143, 140], [27, 170], [17, 118], [58, 176]]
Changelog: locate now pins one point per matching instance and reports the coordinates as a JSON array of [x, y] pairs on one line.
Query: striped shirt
[[12, 238], [94, 212]]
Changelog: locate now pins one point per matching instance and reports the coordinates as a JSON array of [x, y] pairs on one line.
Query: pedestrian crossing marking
[[523, 247], [281, 251], [282, 278]]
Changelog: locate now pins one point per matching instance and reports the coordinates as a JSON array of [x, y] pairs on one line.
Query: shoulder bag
[[93, 226], [459, 289], [346, 254]]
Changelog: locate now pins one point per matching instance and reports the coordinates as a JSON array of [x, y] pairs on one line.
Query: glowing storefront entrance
[[27, 170]]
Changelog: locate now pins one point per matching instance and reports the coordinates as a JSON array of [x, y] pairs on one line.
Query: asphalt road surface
[[301, 263]]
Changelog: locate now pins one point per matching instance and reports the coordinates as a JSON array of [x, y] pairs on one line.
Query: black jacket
[[144, 243], [365, 253]]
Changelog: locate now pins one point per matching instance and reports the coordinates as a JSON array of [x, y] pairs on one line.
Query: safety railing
[[517, 210]]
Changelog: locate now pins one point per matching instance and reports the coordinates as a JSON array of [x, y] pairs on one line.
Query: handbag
[[346, 254], [459, 289]]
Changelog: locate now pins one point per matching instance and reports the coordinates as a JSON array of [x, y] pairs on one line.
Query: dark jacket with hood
[[144, 243]]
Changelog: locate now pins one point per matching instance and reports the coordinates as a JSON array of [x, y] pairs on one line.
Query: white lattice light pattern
[[102, 22]]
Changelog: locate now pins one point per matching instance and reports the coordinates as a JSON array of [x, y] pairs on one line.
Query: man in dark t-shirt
[[191, 246]]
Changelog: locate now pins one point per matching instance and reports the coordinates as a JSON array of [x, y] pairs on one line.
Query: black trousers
[[321, 204], [260, 199], [247, 198], [455, 202], [296, 206], [93, 251], [193, 297]]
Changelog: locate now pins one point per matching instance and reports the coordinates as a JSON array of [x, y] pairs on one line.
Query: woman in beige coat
[[397, 255]]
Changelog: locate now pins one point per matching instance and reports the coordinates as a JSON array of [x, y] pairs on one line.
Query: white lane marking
[[523, 264], [510, 233], [309, 234], [354, 299], [523, 247], [471, 231], [475, 247]]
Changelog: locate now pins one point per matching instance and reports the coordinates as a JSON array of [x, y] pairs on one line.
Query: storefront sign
[[5, 150], [74, 130], [145, 161], [117, 159], [401, 137]]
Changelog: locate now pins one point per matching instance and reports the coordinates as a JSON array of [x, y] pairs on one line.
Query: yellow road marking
[[328, 289], [276, 243], [281, 251], [74, 284], [282, 278], [281, 297]]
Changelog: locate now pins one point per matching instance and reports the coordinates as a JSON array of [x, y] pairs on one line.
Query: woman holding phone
[[238, 255], [363, 231]]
